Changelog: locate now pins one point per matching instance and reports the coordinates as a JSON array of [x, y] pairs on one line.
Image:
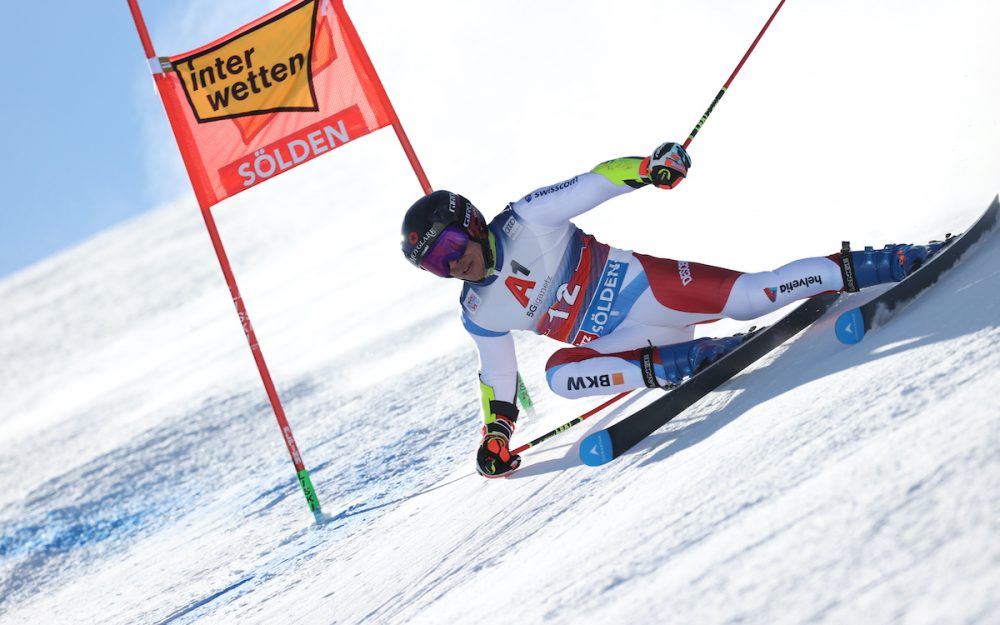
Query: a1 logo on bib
[[520, 288]]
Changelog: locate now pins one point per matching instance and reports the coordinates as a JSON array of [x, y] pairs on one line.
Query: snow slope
[[143, 479], [828, 484]]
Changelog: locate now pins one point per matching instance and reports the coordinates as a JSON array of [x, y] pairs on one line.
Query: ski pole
[[722, 91], [569, 424]]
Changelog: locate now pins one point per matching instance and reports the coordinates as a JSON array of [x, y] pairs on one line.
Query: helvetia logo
[[798, 283], [791, 285], [264, 70]]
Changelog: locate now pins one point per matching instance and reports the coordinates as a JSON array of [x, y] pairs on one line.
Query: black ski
[[853, 324], [606, 445]]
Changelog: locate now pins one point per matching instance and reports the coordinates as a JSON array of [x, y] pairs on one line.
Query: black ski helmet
[[431, 214]]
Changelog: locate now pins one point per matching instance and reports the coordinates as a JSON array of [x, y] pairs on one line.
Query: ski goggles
[[449, 246]]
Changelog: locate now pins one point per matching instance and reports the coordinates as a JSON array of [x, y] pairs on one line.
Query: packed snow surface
[[143, 478]]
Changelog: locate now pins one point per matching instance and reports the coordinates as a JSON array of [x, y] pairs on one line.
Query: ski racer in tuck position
[[629, 317]]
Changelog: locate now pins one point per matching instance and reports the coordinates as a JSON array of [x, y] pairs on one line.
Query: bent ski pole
[[722, 92], [569, 424]]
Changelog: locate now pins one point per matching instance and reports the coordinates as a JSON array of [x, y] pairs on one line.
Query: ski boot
[[889, 264], [683, 360]]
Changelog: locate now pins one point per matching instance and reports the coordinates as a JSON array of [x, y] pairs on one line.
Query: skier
[[629, 317]]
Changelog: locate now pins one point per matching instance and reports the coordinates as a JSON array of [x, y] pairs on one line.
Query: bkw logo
[[594, 381]]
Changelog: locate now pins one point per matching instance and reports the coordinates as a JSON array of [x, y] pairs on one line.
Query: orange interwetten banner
[[276, 93]]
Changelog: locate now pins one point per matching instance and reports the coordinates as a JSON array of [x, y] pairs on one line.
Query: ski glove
[[494, 458], [667, 166]]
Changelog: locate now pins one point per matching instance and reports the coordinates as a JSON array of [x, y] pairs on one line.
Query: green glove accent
[[488, 396], [622, 171]]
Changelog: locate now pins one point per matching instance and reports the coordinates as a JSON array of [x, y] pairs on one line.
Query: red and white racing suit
[[553, 279]]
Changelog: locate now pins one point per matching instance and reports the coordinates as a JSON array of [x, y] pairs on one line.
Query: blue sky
[[79, 117], [73, 164]]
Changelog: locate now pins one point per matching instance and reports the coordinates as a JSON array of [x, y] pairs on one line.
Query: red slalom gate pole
[[722, 91], [305, 482], [301, 472]]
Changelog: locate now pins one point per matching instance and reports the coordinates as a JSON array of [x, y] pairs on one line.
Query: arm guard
[[622, 171], [497, 413]]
